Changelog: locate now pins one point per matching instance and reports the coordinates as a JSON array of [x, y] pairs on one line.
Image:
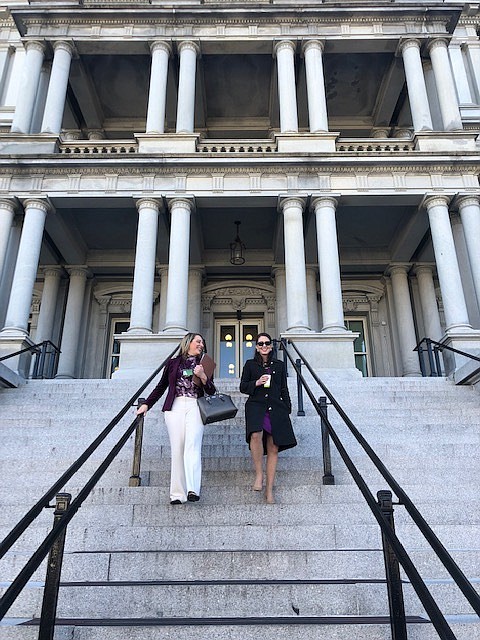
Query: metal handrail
[[26, 573], [436, 616], [34, 348], [41, 351], [435, 368]]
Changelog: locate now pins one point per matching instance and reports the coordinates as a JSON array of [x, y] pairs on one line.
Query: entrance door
[[234, 345], [360, 346], [118, 325]]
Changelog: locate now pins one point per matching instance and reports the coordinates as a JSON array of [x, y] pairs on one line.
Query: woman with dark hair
[[267, 412], [186, 380]]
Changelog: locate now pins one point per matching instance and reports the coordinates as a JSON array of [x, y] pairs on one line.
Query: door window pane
[[118, 326], [359, 345], [249, 338], [228, 348]]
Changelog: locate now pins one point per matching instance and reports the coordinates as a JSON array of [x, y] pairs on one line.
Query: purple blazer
[[169, 380]]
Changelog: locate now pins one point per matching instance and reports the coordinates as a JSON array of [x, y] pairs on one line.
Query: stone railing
[[373, 145], [236, 146], [97, 147]]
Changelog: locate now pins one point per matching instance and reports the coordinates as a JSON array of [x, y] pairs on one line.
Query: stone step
[[282, 628], [234, 598]]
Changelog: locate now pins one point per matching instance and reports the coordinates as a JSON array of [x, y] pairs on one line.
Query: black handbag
[[215, 408]]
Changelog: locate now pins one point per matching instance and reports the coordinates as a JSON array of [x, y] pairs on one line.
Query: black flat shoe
[[192, 497], [175, 502]]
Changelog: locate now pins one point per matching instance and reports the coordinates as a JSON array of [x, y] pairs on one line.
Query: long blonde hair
[[187, 340]]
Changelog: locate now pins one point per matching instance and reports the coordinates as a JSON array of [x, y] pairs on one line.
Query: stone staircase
[[231, 566]]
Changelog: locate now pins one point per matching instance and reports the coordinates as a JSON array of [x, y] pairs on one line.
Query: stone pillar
[[317, 101], [57, 88], [194, 309], [157, 95], [163, 298], [417, 91], [329, 264], [469, 209], [178, 259], [144, 274], [404, 319], [296, 281], [473, 56], [456, 315], [460, 74], [285, 52], [280, 300], [447, 97], [186, 86], [32, 68], [428, 300], [7, 212], [48, 304], [18, 310], [72, 322], [312, 299]]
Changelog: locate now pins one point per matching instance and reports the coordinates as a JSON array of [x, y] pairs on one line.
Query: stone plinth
[[306, 142], [457, 366], [328, 352], [17, 144], [20, 364], [167, 142], [141, 354], [445, 141]]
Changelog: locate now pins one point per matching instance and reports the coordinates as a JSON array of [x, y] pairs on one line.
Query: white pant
[[185, 431]]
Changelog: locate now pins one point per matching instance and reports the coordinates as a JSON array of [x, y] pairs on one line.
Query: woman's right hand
[[261, 380], [143, 408]]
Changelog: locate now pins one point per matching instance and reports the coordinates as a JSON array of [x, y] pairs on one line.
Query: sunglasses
[[264, 344]]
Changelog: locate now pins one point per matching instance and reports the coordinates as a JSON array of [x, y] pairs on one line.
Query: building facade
[[307, 169]]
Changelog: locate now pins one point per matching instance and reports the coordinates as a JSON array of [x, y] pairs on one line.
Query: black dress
[[275, 399]]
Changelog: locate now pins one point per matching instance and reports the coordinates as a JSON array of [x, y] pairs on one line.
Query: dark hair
[[186, 341], [257, 357]]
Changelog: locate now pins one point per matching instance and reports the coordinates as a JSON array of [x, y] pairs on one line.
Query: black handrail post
[[328, 477], [300, 411], [421, 361], [54, 570], [436, 353], [431, 361], [396, 604], [135, 480]]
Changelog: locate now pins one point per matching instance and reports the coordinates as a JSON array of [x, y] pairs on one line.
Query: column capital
[[37, 203], [398, 267], [291, 201], [96, 134], [181, 202], [148, 203], [324, 201], [406, 43], [161, 45], [66, 45], [437, 42], [284, 44], [78, 270], [423, 267], [189, 44], [36, 45], [436, 200], [467, 200], [52, 271], [315, 43], [8, 205]]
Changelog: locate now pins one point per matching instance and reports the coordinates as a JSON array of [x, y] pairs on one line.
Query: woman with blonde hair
[[186, 380]]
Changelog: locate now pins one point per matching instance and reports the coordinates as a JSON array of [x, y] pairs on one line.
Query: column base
[[306, 142], [167, 142], [458, 367], [330, 353], [140, 355], [22, 143], [20, 364], [445, 141]]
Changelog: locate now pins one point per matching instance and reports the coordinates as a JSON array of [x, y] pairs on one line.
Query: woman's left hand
[[198, 371]]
